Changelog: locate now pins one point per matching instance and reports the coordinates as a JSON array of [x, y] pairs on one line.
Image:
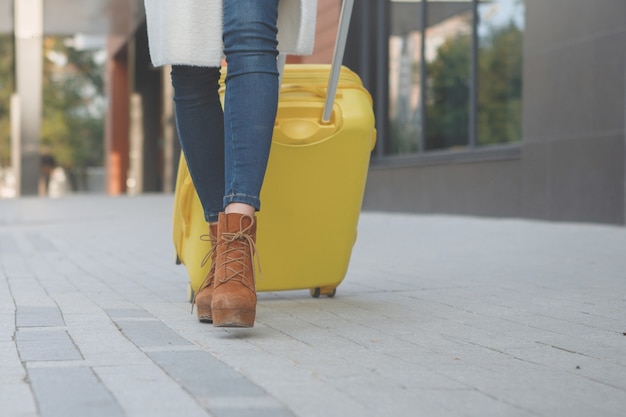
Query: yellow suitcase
[[313, 189]]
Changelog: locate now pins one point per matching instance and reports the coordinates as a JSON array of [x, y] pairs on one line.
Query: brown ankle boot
[[234, 294], [204, 295]]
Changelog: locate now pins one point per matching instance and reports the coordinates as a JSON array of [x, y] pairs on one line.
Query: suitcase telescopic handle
[[340, 48]]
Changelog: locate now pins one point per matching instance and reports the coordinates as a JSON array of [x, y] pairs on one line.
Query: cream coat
[[190, 31]]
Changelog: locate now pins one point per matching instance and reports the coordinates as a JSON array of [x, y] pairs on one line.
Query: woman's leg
[[200, 124], [249, 114], [251, 96]]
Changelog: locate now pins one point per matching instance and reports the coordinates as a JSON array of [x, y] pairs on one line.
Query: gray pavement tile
[[46, 345], [9, 357], [150, 333], [17, 399], [146, 390], [224, 391], [15, 266], [27, 291], [72, 392], [243, 408], [8, 245], [40, 242], [29, 316], [125, 313], [104, 345], [204, 375], [7, 326], [307, 395], [303, 386]]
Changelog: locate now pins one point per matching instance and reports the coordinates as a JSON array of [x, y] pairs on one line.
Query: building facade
[[511, 108]]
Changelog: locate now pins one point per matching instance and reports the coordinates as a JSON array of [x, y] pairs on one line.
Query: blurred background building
[[506, 108]]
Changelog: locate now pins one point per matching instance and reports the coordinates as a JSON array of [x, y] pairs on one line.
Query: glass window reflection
[[500, 34], [448, 60], [454, 82], [404, 77], [6, 90]]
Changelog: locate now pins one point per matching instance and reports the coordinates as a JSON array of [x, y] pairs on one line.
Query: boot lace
[[235, 254]]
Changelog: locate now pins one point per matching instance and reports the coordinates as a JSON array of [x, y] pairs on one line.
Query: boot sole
[[205, 319], [233, 318], [204, 314]]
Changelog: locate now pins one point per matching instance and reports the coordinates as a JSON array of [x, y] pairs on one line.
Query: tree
[[500, 86], [6, 89], [499, 90], [447, 105], [74, 106]]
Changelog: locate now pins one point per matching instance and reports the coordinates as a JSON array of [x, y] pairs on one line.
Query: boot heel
[[204, 313], [233, 318], [204, 296]]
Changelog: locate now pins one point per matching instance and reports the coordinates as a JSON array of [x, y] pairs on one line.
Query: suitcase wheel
[[327, 291]]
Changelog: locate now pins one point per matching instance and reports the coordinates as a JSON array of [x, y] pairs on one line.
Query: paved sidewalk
[[437, 316]]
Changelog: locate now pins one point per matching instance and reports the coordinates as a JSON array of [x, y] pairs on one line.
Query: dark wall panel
[[483, 189], [574, 107]]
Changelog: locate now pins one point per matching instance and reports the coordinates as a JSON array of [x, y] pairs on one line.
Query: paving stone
[[243, 408], [7, 325], [204, 375], [150, 333], [17, 400], [8, 355], [146, 390], [8, 245], [72, 392], [27, 291], [224, 391], [40, 242], [46, 345], [29, 316], [125, 313]]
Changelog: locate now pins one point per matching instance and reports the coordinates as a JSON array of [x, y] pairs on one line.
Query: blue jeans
[[227, 150]]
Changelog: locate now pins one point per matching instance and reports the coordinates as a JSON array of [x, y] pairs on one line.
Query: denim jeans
[[227, 150]]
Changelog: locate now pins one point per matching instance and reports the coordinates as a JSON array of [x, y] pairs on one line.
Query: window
[[454, 74], [405, 104], [500, 30], [448, 62]]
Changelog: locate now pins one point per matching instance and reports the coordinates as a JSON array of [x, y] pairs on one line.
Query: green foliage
[[6, 89], [447, 108], [73, 104], [499, 90], [72, 127], [500, 86]]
